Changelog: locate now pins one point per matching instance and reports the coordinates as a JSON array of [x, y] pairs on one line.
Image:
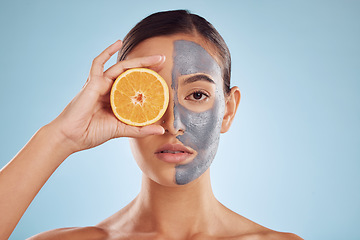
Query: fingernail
[[160, 131], [162, 57], [156, 58]]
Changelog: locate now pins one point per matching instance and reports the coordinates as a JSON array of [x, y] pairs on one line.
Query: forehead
[[185, 53], [190, 57], [164, 45]]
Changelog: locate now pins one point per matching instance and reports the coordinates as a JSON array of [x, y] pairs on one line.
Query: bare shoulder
[[79, 233], [270, 235], [242, 228], [273, 235]]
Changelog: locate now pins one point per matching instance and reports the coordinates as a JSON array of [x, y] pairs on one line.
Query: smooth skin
[[159, 211]]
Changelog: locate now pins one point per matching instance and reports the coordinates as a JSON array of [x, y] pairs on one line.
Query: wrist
[[57, 141]]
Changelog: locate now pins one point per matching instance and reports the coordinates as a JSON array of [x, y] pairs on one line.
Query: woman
[[176, 200]]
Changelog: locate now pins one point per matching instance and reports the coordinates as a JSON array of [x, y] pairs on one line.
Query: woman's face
[[194, 117]]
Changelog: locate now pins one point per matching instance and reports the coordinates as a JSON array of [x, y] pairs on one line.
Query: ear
[[231, 105]]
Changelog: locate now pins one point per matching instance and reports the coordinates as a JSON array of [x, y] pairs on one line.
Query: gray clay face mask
[[201, 129]]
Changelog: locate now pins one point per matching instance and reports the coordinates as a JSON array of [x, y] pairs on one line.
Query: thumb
[[151, 130], [124, 130]]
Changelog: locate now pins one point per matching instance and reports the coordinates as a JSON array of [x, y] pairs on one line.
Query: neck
[[177, 210]]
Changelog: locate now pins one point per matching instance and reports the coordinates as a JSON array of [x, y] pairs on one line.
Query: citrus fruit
[[139, 97]]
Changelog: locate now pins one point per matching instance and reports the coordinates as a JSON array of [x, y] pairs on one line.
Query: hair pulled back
[[179, 21]]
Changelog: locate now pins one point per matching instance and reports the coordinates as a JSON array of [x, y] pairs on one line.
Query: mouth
[[174, 153]]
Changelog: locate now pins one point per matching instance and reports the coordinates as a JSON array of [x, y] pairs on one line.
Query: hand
[[88, 120]]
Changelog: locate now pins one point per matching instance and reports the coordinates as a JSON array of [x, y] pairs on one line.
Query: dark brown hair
[[179, 21]]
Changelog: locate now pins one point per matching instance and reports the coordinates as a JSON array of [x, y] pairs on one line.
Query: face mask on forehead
[[201, 129]]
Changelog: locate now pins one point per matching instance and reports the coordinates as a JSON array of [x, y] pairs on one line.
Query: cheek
[[140, 150], [201, 129], [135, 149]]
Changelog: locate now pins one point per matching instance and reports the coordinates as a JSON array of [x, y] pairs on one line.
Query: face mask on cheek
[[201, 129]]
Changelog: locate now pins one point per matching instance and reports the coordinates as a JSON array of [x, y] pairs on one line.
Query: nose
[[171, 121]]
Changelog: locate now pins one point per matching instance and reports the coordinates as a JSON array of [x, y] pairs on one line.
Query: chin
[[165, 178], [165, 181]]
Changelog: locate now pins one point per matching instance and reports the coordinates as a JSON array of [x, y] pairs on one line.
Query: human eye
[[197, 96]]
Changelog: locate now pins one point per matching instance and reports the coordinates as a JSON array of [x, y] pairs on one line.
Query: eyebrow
[[198, 77]]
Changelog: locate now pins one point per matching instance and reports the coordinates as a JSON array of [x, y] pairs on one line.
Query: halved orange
[[139, 97]]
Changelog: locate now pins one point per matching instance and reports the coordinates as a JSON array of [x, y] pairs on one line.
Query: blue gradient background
[[291, 159]]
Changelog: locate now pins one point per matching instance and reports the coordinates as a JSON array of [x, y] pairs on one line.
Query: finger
[[97, 67], [118, 68]]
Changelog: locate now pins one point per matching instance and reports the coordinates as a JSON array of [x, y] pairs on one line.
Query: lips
[[173, 153]]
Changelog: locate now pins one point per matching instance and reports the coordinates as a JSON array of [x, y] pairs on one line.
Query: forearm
[[23, 177]]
